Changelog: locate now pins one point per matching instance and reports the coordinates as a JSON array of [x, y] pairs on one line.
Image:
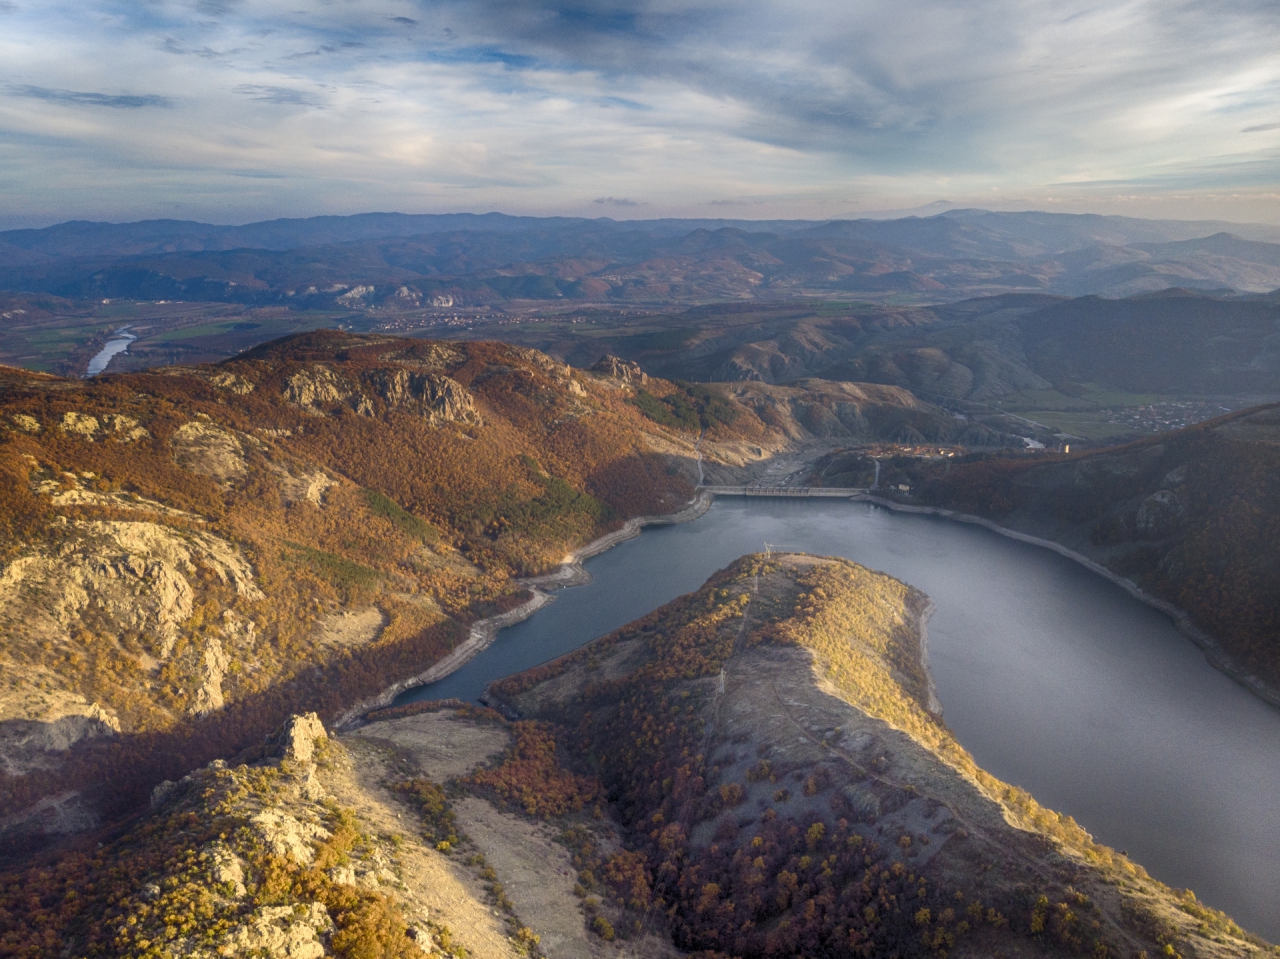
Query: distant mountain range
[[398, 261], [1173, 343]]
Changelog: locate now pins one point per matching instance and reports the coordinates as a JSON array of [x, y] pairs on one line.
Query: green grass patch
[[1090, 425], [401, 518], [265, 328], [338, 570], [694, 407]]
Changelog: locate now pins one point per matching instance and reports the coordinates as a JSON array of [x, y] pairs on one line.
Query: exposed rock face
[[210, 451], [438, 357], [621, 369], [231, 382], [131, 575], [37, 723], [125, 428], [1160, 514], [25, 422], [428, 394], [287, 836], [226, 869], [80, 423], [61, 815], [296, 740], [283, 932], [114, 425], [306, 488], [212, 668], [68, 490], [355, 296], [316, 389]]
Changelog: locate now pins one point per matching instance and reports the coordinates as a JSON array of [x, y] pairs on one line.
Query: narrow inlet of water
[[1054, 678]]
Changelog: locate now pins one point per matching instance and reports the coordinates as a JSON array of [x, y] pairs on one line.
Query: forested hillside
[[189, 554], [750, 771], [768, 746], [1193, 517]]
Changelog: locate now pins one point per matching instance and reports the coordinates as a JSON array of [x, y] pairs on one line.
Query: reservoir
[[1054, 678]]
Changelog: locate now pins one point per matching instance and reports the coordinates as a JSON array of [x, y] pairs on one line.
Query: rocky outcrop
[[288, 837], [210, 672], [80, 424], [432, 395], [115, 426], [355, 296], [296, 739], [25, 422], [307, 487], [316, 389], [70, 490], [620, 369], [1160, 514], [226, 869], [132, 576], [230, 382], [209, 451], [283, 932]]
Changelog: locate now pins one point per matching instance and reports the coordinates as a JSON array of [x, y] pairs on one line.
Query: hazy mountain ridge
[[493, 258], [979, 352]]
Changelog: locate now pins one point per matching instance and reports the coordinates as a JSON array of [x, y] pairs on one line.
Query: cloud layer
[[229, 110]]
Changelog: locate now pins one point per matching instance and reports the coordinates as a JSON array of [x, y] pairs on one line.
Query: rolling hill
[[751, 770], [191, 552], [1189, 516]]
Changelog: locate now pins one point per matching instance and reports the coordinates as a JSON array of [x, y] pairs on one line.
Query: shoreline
[[482, 633], [934, 704], [1213, 652], [571, 572]]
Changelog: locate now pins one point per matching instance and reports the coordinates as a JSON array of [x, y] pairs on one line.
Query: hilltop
[[768, 744], [751, 770], [191, 553]]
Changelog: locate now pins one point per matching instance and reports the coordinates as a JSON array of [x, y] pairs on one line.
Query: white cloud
[[796, 108]]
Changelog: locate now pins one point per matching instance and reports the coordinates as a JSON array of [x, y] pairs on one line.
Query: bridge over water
[[832, 492]]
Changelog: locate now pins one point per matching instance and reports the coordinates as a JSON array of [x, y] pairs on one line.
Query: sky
[[231, 111]]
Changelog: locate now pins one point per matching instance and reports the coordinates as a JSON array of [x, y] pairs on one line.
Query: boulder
[[316, 388], [621, 369], [296, 739], [433, 395]]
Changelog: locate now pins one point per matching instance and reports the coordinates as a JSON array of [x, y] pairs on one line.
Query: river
[[117, 344], [1053, 677]]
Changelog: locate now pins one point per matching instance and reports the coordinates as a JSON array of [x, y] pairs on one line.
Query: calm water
[[1054, 679], [104, 356]]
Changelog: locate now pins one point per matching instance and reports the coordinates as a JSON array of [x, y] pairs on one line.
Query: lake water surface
[[1054, 678]]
